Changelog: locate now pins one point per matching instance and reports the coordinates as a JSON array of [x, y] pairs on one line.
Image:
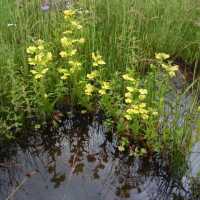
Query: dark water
[[80, 161]]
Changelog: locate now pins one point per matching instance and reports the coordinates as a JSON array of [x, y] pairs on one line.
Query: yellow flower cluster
[[97, 61], [93, 75], [68, 43], [161, 56], [105, 86], [170, 69], [69, 13], [89, 89], [134, 98], [39, 57]]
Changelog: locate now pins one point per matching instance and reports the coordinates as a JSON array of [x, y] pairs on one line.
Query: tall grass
[[159, 26]]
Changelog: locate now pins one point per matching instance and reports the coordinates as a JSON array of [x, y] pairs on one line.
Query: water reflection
[[79, 160]]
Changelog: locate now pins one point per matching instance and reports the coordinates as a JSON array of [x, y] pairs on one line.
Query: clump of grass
[[159, 26]]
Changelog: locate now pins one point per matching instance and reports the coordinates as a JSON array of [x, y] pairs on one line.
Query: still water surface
[[80, 161]]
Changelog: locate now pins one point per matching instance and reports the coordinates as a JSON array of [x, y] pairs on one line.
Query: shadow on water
[[79, 160]]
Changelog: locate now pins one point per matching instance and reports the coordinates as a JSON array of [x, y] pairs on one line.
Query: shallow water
[[79, 160]]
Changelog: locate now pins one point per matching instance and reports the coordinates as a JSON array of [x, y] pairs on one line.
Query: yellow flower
[[33, 71], [69, 13], [76, 25], [72, 53], [39, 42], [102, 92], [142, 97], [155, 113], [143, 111], [39, 58], [65, 73], [38, 76], [64, 76], [198, 109], [41, 47], [92, 75], [143, 91], [66, 42], [135, 111], [89, 89], [49, 56], [44, 71], [31, 61], [128, 117], [130, 111], [31, 50], [128, 78], [128, 100], [165, 66], [128, 95], [63, 54], [81, 40], [172, 74], [130, 89], [97, 59], [161, 56], [145, 116], [174, 68], [67, 32], [105, 85], [74, 63], [142, 105]]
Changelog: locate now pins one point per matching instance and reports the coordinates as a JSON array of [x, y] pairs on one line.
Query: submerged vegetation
[[102, 56]]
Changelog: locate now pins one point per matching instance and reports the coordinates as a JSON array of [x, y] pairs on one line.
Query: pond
[[79, 160]]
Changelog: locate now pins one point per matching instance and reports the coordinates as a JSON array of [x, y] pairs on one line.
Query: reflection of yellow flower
[[89, 89]]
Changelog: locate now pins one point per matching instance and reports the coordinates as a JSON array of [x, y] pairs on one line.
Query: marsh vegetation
[[134, 64]]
